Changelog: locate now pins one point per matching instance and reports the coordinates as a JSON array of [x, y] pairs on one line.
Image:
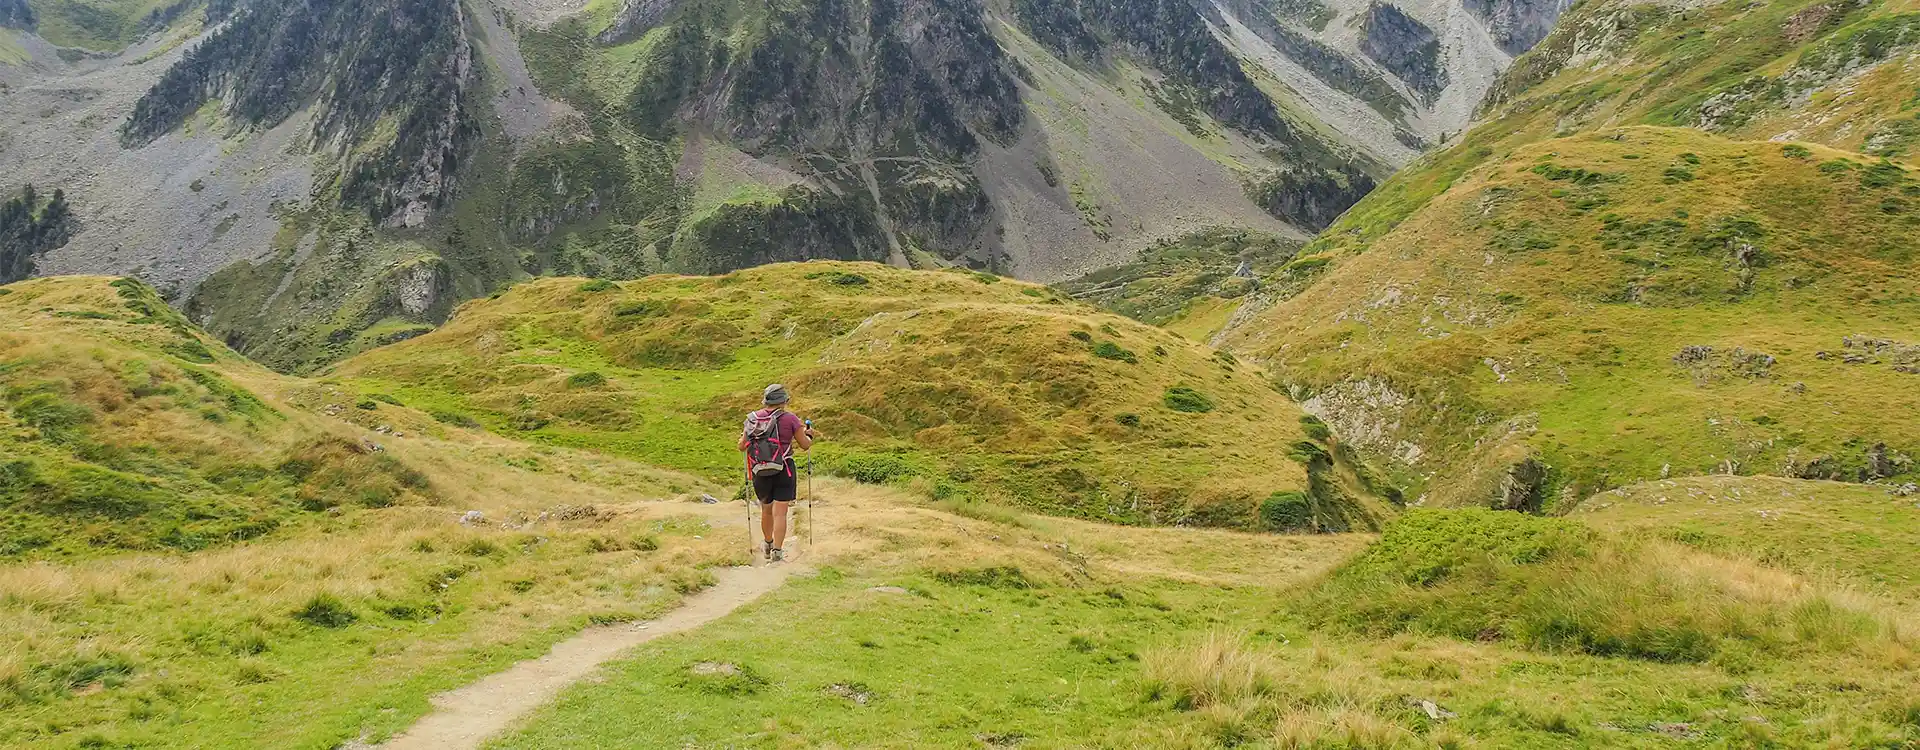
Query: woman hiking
[[768, 439]]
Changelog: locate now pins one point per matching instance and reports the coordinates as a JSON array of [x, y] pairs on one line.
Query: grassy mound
[[1600, 309], [124, 429], [1868, 536], [965, 383], [1553, 585]]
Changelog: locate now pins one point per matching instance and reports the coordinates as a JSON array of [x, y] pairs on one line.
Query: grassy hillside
[[1189, 285], [969, 384], [124, 430], [1868, 536], [1557, 305], [193, 550]]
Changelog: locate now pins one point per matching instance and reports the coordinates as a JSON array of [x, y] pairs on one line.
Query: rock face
[[1405, 47], [16, 14], [1517, 25]]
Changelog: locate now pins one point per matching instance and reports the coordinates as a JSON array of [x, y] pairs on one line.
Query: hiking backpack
[[766, 455]]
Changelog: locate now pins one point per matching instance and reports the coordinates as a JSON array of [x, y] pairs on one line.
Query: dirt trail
[[468, 716]]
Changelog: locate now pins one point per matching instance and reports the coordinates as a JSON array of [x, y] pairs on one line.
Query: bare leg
[[780, 524], [766, 522]]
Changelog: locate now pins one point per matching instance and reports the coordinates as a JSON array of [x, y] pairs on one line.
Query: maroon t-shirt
[[789, 425]]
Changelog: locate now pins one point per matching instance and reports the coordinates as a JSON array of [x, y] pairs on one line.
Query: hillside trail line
[[468, 716]]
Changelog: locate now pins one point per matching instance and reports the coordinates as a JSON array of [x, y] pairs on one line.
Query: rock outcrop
[[1405, 47]]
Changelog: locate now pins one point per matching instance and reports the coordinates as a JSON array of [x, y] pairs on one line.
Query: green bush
[[1287, 511], [1796, 151], [1110, 350], [454, 418], [191, 350], [1314, 428], [366, 404], [586, 380], [598, 285], [1081, 335], [527, 421], [637, 308], [326, 611], [1128, 420], [1184, 399], [873, 468]]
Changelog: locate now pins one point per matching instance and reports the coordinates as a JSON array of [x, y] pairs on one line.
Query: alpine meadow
[[1184, 374]]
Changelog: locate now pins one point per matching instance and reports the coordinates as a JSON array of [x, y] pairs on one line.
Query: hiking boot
[[770, 551], [778, 555]]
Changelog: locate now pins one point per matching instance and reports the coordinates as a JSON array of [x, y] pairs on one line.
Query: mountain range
[[311, 179]]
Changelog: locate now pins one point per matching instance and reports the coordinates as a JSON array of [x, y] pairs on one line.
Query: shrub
[[586, 380], [637, 308], [454, 418], [1314, 428], [1081, 335], [1796, 151], [527, 421], [1184, 399], [873, 468], [191, 350], [841, 278], [1128, 420], [1110, 350], [386, 399], [367, 404], [598, 285], [1286, 511], [326, 611]]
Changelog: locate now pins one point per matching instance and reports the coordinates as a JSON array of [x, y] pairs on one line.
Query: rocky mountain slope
[[304, 204], [1683, 242]]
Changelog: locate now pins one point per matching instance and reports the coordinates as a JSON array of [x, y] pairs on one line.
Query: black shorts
[[776, 488]]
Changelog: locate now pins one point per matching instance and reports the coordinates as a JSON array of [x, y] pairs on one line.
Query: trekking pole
[[809, 492], [746, 493]]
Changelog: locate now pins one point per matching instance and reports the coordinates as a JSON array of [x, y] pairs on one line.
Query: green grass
[[311, 639], [1863, 534], [1059, 653]]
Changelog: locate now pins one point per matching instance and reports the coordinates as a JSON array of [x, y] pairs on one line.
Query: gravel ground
[[139, 210]]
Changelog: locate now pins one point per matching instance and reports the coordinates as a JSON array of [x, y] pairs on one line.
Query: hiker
[[768, 439]]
